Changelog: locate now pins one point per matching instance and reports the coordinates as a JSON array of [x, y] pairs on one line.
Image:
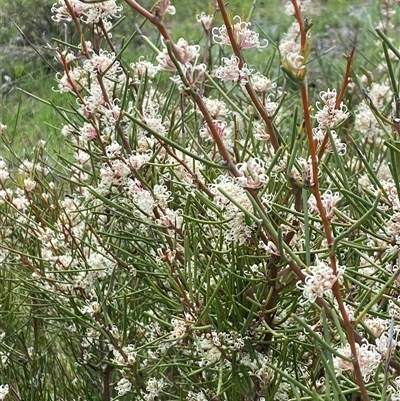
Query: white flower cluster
[[230, 71], [366, 123], [238, 229], [123, 386], [319, 281], [329, 201], [261, 83], [253, 173], [153, 388], [289, 51], [90, 13], [244, 37], [328, 117], [368, 359], [187, 53]]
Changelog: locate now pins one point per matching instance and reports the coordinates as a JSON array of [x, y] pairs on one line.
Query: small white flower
[[153, 388], [143, 68], [216, 107], [123, 386], [244, 37], [368, 359], [29, 184], [186, 52], [3, 129], [329, 115], [329, 201], [3, 391], [205, 20], [230, 71], [319, 280], [261, 83]]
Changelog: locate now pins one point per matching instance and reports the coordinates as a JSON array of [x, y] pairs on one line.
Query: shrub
[[218, 234]]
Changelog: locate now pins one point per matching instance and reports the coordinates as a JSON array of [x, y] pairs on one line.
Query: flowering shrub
[[216, 234]]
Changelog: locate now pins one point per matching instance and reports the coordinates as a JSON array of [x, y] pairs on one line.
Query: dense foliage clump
[[221, 230]]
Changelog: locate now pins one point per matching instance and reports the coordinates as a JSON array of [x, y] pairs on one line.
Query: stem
[[250, 91], [339, 98], [324, 219], [78, 26], [303, 35]]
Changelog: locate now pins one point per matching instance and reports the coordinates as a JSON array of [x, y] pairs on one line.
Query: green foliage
[[200, 232]]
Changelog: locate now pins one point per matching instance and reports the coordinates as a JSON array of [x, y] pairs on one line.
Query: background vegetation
[[338, 26]]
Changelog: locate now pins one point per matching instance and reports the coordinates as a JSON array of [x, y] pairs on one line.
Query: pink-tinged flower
[[104, 11], [306, 172], [154, 120], [65, 57], [253, 173], [319, 281], [319, 134], [196, 72], [244, 37], [137, 160], [187, 54], [29, 184], [61, 13], [163, 7], [261, 83], [259, 132], [230, 71], [220, 126], [74, 80], [216, 107], [143, 68], [88, 13], [102, 62], [270, 106], [205, 20], [88, 132], [329, 116], [329, 201], [81, 156], [170, 218], [368, 359]]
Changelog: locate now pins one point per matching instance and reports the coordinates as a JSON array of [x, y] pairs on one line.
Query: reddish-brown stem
[[303, 35], [250, 91], [71, 11], [339, 98], [325, 222]]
